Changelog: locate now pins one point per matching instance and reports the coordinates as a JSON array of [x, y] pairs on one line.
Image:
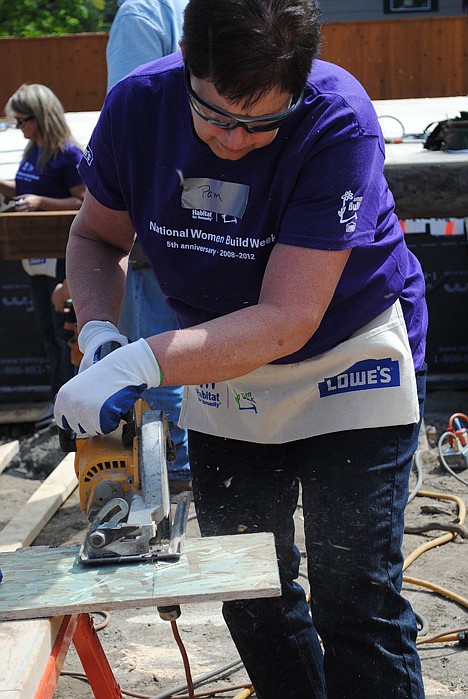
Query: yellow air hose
[[452, 634]]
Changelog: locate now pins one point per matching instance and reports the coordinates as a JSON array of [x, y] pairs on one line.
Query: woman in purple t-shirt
[[47, 180], [253, 175]]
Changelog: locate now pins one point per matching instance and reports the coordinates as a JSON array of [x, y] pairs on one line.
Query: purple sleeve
[[336, 202], [98, 167]]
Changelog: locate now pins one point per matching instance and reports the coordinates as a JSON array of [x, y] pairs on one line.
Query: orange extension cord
[[452, 634]]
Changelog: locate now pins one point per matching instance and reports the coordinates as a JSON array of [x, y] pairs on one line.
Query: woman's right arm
[[97, 251]]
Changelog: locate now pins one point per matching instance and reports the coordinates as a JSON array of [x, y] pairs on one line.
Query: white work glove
[[95, 401], [92, 338]]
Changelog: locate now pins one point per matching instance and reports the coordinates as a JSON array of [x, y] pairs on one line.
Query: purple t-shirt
[[208, 225], [56, 179]]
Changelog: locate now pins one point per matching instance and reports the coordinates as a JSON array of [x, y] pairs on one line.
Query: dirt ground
[[140, 646]]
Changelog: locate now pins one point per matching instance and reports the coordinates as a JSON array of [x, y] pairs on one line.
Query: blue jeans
[[144, 313], [354, 492]]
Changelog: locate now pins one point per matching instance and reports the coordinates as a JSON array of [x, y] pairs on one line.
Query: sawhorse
[[79, 630]]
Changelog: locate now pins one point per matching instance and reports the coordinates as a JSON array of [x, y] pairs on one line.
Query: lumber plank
[[40, 581], [22, 411], [24, 650], [34, 234], [43, 503], [7, 452], [25, 646]]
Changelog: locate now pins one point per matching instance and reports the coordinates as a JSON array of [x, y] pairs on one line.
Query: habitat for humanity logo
[[349, 208], [245, 401], [208, 396], [362, 376], [88, 155]]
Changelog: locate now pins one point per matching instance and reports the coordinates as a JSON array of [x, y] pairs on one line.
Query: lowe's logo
[[362, 376]]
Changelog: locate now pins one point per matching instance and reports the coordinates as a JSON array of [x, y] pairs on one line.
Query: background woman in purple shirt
[[47, 180]]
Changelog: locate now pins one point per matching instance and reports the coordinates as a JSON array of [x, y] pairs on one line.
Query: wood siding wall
[[393, 59], [403, 58], [73, 66]]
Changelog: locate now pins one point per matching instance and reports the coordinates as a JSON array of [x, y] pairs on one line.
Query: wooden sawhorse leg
[[79, 628]]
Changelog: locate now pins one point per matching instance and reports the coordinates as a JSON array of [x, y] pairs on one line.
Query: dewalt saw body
[[124, 491]]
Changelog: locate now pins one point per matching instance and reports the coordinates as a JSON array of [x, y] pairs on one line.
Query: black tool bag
[[448, 135]]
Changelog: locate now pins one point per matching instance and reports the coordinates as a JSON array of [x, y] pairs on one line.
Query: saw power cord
[[185, 660]]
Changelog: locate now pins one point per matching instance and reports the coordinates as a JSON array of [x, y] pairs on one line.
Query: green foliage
[[40, 17], [109, 9]]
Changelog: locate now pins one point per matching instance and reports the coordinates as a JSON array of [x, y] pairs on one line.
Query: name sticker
[[214, 195]]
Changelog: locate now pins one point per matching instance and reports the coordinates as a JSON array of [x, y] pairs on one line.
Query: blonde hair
[[41, 103]]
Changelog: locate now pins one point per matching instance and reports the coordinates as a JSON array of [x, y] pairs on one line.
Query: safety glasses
[[22, 120], [225, 120]]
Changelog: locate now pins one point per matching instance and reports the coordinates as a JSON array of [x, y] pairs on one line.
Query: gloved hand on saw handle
[[95, 400], [96, 339]]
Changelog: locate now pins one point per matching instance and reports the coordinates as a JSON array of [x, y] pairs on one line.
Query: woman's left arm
[[35, 202]]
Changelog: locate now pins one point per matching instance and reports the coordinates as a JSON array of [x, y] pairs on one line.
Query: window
[[391, 6]]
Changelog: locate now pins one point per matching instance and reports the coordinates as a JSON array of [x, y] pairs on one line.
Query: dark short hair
[[248, 47]]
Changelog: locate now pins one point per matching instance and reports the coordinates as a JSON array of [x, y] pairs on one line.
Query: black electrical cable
[[423, 622], [199, 680]]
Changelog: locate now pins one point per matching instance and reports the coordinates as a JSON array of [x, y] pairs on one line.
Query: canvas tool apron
[[366, 381]]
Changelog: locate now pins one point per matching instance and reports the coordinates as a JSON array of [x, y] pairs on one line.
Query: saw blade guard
[[128, 495]]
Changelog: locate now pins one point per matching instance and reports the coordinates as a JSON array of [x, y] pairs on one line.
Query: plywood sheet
[[42, 581]]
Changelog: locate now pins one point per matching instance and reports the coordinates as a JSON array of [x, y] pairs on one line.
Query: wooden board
[[13, 413], [7, 452], [43, 582], [41, 506], [25, 647], [34, 234]]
